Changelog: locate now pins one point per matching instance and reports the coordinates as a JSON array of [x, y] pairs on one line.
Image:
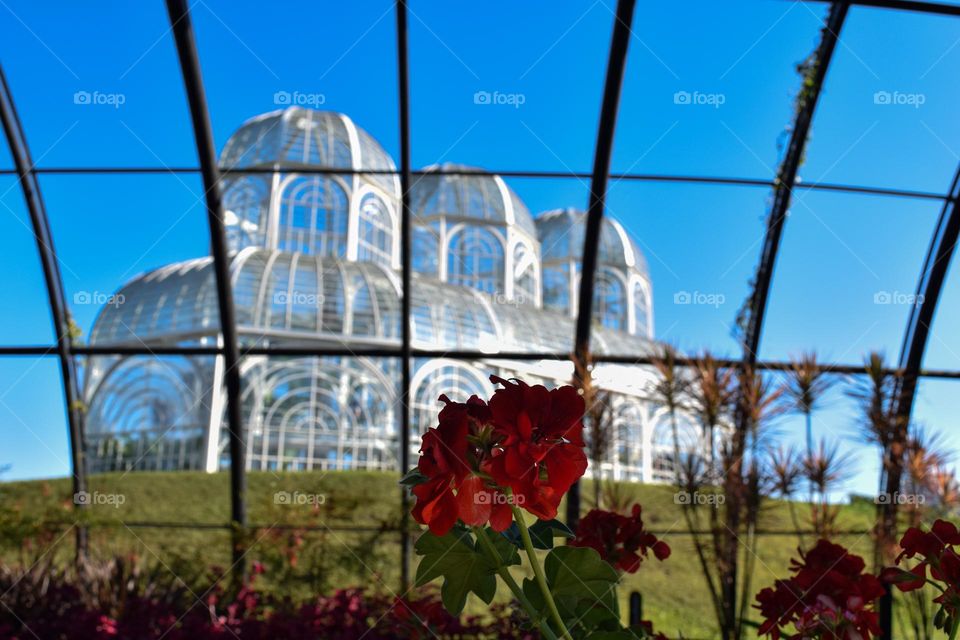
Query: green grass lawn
[[351, 518]]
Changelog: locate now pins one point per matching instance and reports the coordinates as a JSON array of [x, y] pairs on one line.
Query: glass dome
[[622, 290], [338, 211], [471, 229]]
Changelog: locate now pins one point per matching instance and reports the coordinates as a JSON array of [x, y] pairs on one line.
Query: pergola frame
[[909, 371]]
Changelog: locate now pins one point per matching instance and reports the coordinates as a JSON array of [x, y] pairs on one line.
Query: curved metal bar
[[403, 82], [56, 297], [786, 182], [916, 6], [915, 339], [930, 286], [206, 152], [616, 63]]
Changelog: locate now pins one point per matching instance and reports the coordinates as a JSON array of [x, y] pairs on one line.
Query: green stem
[[954, 627], [504, 573], [538, 572]]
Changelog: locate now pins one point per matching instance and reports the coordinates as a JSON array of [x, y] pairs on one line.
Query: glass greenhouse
[[273, 297], [315, 262]]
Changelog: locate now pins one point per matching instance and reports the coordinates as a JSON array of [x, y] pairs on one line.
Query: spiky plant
[[676, 392], [875, 393], [825, 469], [758, 402], [784, 473], [669, 390], [925, 454], [711, 399], [805, 385]]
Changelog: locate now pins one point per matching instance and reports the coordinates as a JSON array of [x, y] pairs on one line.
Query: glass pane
[[490, 274], [886, 117], [345, 64], [318, 414], [149, 413], [697, 248], [109, 93], [35, 441], [24, 308], [123, 237], [520, 78], [708, 88], [846, 275]]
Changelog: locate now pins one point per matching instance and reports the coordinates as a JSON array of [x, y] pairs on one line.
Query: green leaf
[[509, 555], [542, 533], [579, 571], [412, 478], [464, 568], [584, 586]]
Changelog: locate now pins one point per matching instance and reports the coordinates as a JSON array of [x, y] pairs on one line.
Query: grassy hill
[[341, 529]]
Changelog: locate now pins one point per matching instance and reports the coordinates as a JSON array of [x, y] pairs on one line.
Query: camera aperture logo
[[298, 99], [99, 98], [900, 498], [898, 298], [299, 298], [98, 499], [899, 99], [98, 298], [298, 498], [497, 98], [699, 99], [697, 499], [496, 499], [715, 300]]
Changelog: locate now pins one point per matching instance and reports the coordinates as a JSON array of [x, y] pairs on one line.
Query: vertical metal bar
[[403, 82], [786, 180], [616, 63], [60, 312], [636, 608], [915, 339], [193, 82]]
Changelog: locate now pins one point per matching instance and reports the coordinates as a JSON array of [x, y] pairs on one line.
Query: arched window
[[475, 259], [525, 283], [246, 201], [641, 310], [556, 288], [375, 232], [609, 301], [426, 249], [313, 217]]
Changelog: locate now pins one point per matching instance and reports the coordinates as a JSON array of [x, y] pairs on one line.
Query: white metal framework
[[315, 259]]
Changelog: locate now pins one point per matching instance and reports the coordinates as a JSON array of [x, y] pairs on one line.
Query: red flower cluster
[[525, 448], [620, 540], [828, 597], [935, 550]]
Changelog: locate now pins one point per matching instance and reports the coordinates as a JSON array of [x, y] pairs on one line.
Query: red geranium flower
[[620, 540], [828, 597], [451, 458], [935, 551], [525, 448], [540, 453]]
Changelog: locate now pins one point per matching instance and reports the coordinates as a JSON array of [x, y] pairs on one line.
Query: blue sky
[[736, 59]]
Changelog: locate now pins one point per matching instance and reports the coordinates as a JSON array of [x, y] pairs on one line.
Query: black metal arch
[[207, 155], [616, 63], [403, 86], [929, 287], [786, 181], [915, 340], [59, 310]]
